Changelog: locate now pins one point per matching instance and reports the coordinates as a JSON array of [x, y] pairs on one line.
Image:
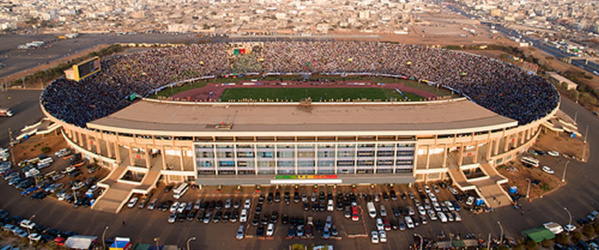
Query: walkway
[[118, 191], [487, 187]]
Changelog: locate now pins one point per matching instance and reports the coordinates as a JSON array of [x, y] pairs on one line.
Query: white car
[[379, 224], [240, 233], [421, 210], [547, 169], [409, 221], [132, 202], [247, 204], [470, 200], [383, 211], [553, 153], [449, 216], [27, 224], [244, 215], [442, 217], [270, 229], [432, 214], [174, 207], [427, 189], [453, 191], [457, 216], [181, 207], [374, 238], [330, 206], [383, 236], [449, 205], [35, 237], [569, 228], [172, 218]]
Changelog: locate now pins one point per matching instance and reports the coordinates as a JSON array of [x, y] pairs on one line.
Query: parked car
[[374, 237], [547, 169]]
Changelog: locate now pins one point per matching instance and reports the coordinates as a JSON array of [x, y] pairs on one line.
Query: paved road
[[26, 108]]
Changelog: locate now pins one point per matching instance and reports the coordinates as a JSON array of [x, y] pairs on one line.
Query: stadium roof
[[153, 117]]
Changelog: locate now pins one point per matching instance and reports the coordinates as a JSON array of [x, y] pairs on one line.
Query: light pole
[[188, 240], [28, 230], [421, 239], [570, 216], [586, 134], [103, 239], [528, 189], [501, 236], [156, 241], [565, 168]]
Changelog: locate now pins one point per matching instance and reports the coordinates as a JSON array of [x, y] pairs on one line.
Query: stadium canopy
[[539, 234]]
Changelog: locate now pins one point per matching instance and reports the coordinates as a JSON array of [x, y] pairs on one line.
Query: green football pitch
[[316, 94]]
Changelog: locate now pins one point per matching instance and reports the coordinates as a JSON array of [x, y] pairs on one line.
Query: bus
[[530, 162], [180, 190]]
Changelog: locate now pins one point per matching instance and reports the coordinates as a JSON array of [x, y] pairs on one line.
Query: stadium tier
[[218, 143]]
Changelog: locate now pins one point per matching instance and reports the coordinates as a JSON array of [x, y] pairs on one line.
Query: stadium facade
[[257, 143]]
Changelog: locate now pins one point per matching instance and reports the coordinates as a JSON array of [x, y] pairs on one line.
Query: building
[[561, 81], [277, 143]]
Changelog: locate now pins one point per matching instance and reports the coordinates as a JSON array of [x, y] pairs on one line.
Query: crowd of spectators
[[495, 85]]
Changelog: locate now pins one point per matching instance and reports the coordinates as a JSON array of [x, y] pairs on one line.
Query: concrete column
[[428, 156], [475, 159], [522, 134], [148, 159], [98, 146], [445, 149], [507, 143], [461, 157], [80, 141], [109, 149], [88, 143], [131, 157], [181, 158], [235, 160], [163, 156], [496, 149], [117, 153], [489, 148]]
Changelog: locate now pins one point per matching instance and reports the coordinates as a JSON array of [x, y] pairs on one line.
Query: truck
[[6, 112], [554, 227]]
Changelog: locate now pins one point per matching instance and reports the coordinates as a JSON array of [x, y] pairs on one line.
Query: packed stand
[[498, 86]]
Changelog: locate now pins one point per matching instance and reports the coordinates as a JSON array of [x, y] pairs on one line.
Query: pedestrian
[[123, 223]]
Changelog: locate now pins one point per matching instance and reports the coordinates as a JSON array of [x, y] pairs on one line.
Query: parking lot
[[302, 211]]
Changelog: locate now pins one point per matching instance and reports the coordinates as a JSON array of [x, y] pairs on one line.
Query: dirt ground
[[31, 147], [564, 144], [517, 173]]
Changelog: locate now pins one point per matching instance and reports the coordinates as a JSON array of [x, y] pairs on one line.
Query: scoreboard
[[84, 69]]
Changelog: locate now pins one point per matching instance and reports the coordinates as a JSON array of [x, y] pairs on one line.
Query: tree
[[561, 238], [531, 244], [546, 243], [588, 230], [576, 236]]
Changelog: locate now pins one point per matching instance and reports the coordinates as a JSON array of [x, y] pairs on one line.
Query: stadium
[[498, 115]]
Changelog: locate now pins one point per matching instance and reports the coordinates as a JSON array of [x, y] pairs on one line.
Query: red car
[[386, 224]]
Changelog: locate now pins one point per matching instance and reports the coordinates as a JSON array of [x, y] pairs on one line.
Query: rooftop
[[154, 117]]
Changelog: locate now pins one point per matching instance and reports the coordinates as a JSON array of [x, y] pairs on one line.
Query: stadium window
[[367, 163], [384, 153], [384, 163], [226, 164], [365, 153], [184, 138], [345, 163], [404, 162], [405, 153]]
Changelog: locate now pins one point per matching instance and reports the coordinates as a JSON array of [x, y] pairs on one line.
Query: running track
[[203, 94]]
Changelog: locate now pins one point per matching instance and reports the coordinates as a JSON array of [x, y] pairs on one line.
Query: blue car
[[29, 190], [456, 205], [291, 232]]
